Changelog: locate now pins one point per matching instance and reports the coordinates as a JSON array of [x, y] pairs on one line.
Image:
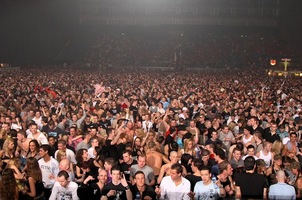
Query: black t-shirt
[[89, 191], [1, 143], [111, 150], [201, 127], [149, 191], [86, 126], [38, 185], [115, 110], [93, 169], [120, 191], [53, 149], [125, 168], [269, 137], [134, 109], [226, 183], [4, 160], [225, 115], [193, 180], [121, 147], [135, 152], [258, 129], [251, 185], [105, 124]]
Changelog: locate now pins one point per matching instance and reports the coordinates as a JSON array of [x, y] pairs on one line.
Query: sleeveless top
[[244, 140], [179, 142], [226, 182], [267, 158], [39, 189]]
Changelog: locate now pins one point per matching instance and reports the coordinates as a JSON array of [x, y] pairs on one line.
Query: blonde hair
[[13, 161], [186, 144], [232, 125], [277, 147], [5, 145], [3, 134], [60, 154]]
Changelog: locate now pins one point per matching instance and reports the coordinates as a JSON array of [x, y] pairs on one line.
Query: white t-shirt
[[90, 152], [64, 193], [49, 168], [285, 140], [169, 191], [206, 192], [41, 138]]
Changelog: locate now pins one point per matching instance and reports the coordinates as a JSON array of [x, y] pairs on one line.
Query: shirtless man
[[165, 169], [129, 129], [154, 158], [23, 143]]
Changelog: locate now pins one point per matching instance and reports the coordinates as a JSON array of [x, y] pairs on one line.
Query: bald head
[[173, 153], [174, 157], [281, 176], [64, 165]]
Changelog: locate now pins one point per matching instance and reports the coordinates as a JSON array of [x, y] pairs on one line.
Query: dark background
[[36, 31]]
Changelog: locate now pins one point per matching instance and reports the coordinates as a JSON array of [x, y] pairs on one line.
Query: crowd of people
[[188, 47], [76, 133]]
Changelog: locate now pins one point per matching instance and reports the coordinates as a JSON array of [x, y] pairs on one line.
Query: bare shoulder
[[165, 166]]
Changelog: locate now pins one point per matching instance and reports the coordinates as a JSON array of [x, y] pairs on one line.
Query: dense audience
[[89, 134], [190, 47]]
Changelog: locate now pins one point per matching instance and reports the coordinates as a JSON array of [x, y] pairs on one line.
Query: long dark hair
[[36, 144], [79, 155], [33, 169], [8, 185]]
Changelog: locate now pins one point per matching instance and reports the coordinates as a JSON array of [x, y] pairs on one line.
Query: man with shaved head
[[281, 190], [67, 166], [165, 169]]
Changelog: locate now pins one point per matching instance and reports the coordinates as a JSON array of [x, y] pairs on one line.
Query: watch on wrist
[[127, 187]]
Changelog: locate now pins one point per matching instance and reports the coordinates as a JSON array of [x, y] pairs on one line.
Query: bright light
[[273, 62]]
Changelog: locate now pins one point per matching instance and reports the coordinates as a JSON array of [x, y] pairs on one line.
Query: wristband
[[127, 187]]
